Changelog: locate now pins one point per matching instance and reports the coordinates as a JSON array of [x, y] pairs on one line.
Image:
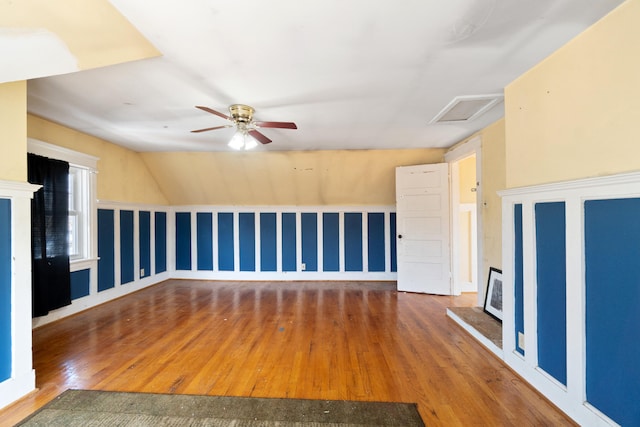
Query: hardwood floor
[[329, 340]]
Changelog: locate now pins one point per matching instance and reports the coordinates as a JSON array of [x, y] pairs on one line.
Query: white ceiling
[[358, 74]]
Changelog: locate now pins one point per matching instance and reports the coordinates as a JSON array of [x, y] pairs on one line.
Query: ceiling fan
[[242, 118]]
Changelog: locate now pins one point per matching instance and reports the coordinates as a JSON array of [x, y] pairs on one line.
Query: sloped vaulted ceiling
[[355, 74], [40, 38]]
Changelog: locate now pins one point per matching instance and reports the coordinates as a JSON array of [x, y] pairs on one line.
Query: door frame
[[466, 149]]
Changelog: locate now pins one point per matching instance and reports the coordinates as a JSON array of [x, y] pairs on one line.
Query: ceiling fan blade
[[209, 110], [282, 125], [260, 137], [213, 128]]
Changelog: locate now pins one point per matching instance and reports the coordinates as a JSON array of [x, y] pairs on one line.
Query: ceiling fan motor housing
[[241, 113]]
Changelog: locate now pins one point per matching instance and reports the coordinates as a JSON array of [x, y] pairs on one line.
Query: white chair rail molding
[[571, 270]]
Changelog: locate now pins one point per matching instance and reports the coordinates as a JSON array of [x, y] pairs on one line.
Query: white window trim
[[80, 160], [45, 149]]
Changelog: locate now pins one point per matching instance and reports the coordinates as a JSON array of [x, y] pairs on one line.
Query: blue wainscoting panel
[[551, 273], [353, 241], [310, 240], [183, 241], [6, 360], [225, 241], [161, 241], [393, 249], [247, 230], [126, 247], [106, 253], [80, 281], [144, 233], [375, 241], [331, 241], [612, 272], [289, 242], [268, 243], [204, 229], [518, 274]]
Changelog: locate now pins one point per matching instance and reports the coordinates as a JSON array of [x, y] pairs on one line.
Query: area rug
[[88, 408]]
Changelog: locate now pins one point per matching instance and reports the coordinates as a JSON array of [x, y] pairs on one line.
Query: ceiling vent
[[466, 108]]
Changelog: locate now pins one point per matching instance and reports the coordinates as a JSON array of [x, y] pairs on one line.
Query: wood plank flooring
[[316, 340]]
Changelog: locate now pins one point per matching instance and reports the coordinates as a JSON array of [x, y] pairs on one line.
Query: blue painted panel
[[204, 224], [247, 230], [126, 247], [289, 242], [375, 241], [5, 290], [393, 249], [106, 253], [183, 241], [310, 240], [268, 244], [80, 281], [551, 271], [518, 274], [144, 232], [612, 268], [331, 241], [225, 241], [353, 241], [161, 241]]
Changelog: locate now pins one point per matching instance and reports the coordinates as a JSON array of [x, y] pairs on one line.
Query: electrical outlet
[[521, 340], [303, 266], [142, 272]]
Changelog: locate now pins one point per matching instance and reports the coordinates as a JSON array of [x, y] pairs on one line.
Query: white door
[[422, 213]]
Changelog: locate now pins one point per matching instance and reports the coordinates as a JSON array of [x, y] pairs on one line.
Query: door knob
[[399, 236]]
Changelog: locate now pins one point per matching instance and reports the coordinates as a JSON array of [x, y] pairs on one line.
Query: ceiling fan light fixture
[[250, 142], [237, 142], [241, 140]]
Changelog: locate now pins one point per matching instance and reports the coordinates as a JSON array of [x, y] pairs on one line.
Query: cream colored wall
[[577, 113], [13, 131], [493, 180], [122, 174], [353, 177]]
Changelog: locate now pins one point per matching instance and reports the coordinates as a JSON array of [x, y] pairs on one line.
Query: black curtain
[[51, 280]]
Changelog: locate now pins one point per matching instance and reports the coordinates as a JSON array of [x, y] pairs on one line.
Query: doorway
[[465, 163]]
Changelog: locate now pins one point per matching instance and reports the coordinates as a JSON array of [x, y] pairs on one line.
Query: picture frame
[[493, 295]]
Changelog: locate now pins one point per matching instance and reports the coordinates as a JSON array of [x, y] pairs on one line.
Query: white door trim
[[469, 148]]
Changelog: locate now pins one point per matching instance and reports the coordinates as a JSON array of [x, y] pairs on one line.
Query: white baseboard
[[16, 388]]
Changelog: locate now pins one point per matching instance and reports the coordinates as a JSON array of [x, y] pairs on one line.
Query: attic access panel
[[466, 108]]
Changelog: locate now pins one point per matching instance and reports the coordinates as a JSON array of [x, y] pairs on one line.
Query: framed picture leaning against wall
[[493, 295]]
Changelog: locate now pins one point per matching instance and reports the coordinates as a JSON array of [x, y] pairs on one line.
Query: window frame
[[80, 210], [85, 166]]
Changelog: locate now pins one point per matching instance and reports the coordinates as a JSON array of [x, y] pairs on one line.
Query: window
[[79, 212], [82, 199]]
